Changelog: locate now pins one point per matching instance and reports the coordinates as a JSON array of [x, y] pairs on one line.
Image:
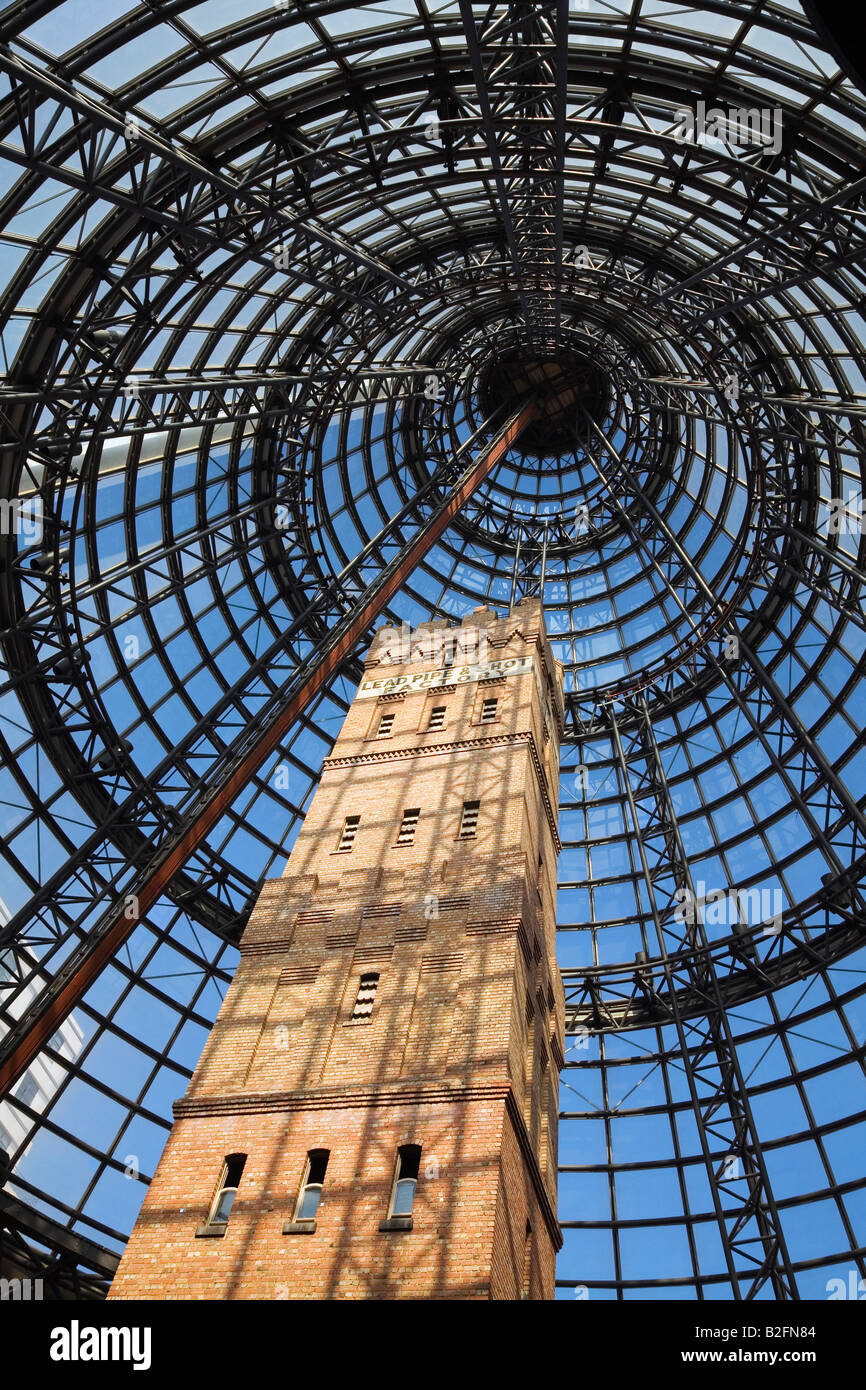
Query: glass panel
[[309, 1203], [224, 1205], [404, 1197]]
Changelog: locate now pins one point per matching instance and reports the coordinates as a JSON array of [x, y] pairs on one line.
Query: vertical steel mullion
[[754, 661], [516, 567], [743, 704], [720, 1023], [543, 563], [674, 1008]]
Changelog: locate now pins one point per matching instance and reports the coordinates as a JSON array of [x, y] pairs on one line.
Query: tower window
[[469, 820], [488, 709], [405, 1180], [437, 717], [310, 1194], [526, 1290], [408, 826], [229, 1183], [363, 1009], [386, 724], [348, 833]]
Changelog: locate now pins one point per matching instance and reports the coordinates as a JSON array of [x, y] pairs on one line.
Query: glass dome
[[264, 273]]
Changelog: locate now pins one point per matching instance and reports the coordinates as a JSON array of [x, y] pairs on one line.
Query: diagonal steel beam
[[144, 385], [769, 238], [241, 761]]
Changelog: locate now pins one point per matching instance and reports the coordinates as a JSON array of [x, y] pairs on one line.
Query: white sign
[[445, 675]]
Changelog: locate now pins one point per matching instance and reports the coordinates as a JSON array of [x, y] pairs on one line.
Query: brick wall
[[461, 1051]]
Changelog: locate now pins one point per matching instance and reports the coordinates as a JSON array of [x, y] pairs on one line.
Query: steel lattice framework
[[321, 311]]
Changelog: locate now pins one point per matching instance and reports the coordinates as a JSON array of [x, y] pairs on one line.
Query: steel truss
[[835, 820], [742, 1195], [169, 186], [519, 62], [47, 1261], [782, 426], [820, 235], [142, 405]]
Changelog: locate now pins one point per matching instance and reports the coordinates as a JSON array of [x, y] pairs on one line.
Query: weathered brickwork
[[461, 1050]]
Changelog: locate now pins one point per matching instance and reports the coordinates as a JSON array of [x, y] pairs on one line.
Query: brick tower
[[374, 1114]]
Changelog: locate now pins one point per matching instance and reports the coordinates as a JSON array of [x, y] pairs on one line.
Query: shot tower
[[375, 1112]]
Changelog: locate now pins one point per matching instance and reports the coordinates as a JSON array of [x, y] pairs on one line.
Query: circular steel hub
[[567, 389]]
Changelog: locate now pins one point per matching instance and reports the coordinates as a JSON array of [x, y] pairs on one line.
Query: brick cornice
[[400, 1093], [545, 795], [265, 948], [522, 1135], [394, 755]]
